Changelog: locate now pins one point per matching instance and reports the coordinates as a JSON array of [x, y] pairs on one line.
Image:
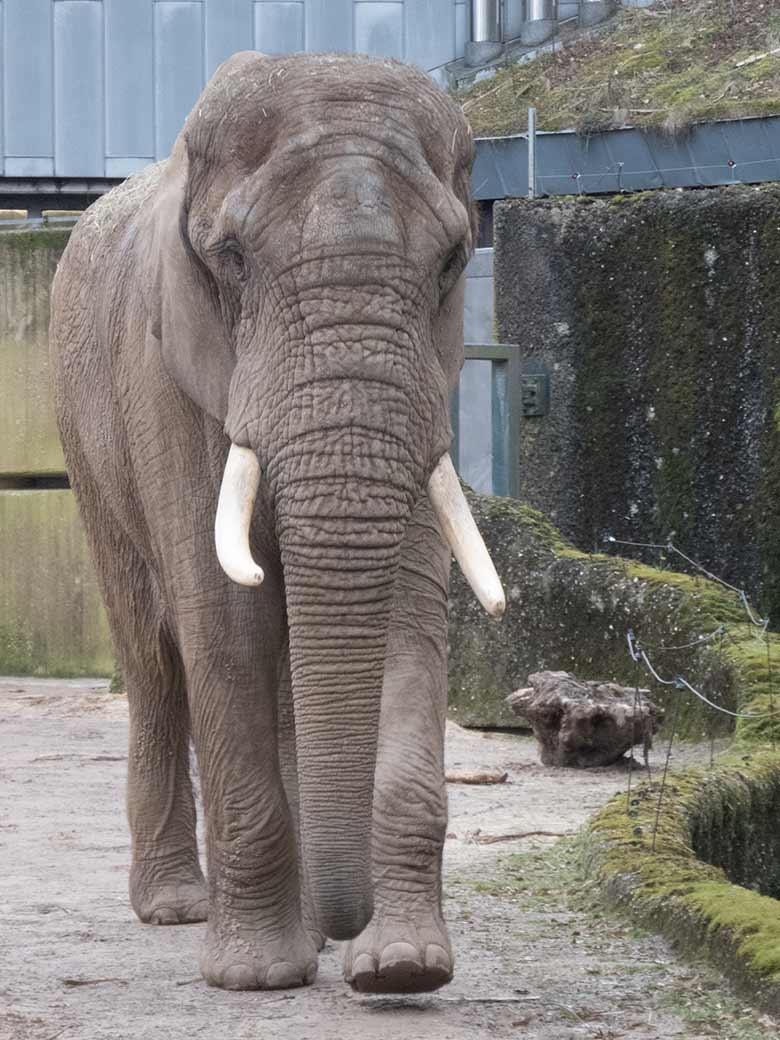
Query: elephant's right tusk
[[463, 537], [237, 495]]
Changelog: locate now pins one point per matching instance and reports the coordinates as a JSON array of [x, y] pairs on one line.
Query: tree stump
[[582, 724]]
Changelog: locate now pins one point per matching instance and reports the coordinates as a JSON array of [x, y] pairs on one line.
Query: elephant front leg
[[406, 948], [255, 937]]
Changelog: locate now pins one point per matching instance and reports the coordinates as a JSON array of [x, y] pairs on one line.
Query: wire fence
[[640, 654]]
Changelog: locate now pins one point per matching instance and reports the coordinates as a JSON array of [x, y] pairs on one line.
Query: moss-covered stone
[[29, 443], [51, 616], [658, 316], [570, 611], [710, 879]]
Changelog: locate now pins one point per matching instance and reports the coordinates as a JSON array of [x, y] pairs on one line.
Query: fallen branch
[[757, 57], [72, 983], [476, 778], [493, 839]]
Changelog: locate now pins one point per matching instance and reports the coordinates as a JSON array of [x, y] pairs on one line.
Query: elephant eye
[[233, 257], [451, 269]]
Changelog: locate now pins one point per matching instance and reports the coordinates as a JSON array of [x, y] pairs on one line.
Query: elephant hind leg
[[166, 882]]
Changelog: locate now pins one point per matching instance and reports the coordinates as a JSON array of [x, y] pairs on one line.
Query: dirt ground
[[537, 957]]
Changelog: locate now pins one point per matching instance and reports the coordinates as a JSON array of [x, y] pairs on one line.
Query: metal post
[[485, 43], [531, 153], [540, 20]]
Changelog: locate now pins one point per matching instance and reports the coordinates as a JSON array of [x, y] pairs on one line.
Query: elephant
[[253, 346]]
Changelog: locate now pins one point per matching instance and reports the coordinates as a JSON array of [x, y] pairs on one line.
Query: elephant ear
[[183, 298], [448, 332]]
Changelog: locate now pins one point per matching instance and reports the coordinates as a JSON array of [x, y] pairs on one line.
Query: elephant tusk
[[461, 534], [237, 494]]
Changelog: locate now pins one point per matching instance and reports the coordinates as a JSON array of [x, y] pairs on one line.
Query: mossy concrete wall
[[29, 443], [51, 616], [709, 878], [658, 316], [571, 611]]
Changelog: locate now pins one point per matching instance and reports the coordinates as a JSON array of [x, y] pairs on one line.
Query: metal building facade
[[100, 88]]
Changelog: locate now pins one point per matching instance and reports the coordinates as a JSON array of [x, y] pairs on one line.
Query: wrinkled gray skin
[[289, 280]]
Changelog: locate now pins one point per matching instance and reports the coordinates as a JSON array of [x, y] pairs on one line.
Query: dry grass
[[676, 63]]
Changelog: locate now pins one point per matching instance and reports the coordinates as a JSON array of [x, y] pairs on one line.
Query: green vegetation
[[668, 66], [571, 610], [711, 878]]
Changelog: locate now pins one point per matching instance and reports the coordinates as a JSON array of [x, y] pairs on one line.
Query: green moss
[[644, 69], [727, 816], [25, 241], [571, 610]]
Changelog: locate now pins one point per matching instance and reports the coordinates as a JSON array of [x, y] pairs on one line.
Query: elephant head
[[312, 232]]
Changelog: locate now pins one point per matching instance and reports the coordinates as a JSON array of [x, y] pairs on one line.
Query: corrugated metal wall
[[100, 88]]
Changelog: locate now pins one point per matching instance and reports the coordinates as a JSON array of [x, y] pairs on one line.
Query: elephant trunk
[[340, 537]]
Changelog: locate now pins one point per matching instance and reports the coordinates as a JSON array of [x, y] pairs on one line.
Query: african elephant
[[253, 345]]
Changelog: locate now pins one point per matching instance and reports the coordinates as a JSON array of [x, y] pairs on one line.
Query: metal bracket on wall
[[534, 394]]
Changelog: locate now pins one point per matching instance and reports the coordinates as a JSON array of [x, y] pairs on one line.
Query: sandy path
[[76, 964]]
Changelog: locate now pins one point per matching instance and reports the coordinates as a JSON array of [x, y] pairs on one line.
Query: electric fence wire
[[762, 623], [638, 654], [681, 683]]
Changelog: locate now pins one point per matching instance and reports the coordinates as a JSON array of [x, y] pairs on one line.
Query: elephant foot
[[249, 961], [168, 900], [399, 955], [317, 937]]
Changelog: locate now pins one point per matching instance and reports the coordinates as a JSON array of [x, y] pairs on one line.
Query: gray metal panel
[[674, 153], [480, 266], [761, 141], [125, 166], [32, 166], [129, 78], [27, 72], [229, 28], [478, 309], [711, 153], [500, 168], [2, 135], [178, 67], [329, 25], [379, 29], [78, 82], [430, 32], [569, 163], [639, 170], [462, 26], [279, 26], [475, 448]]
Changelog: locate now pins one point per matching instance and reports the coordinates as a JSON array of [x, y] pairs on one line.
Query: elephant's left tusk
[[237, 495], [463, 537]]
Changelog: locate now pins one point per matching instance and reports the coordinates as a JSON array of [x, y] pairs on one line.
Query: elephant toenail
[[437, 958], [164, 915], [240, 976], [283, 975], [363, 964], [399, 954]]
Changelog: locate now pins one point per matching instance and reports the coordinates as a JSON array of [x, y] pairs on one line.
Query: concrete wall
[[658, 317], [51, 618]]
